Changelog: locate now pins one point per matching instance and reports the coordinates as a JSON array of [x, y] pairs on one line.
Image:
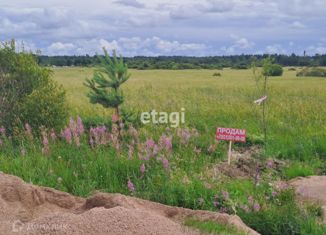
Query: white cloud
[[218, 6], [239, 44], [320, 48], [297, 24], [135, 45], [180, 25], [275, 49], [131, 3], [59, 48]]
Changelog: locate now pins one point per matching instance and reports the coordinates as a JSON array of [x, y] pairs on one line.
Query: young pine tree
[[106, 82]]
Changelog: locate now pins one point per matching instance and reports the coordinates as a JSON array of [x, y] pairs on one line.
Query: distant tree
[[273, 69], [106, 82]]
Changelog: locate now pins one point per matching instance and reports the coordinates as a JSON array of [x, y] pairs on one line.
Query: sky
[[166, 27]]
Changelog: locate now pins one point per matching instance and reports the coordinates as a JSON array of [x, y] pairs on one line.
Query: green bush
[[312, 72], [45, 106], [273, 70], [27, 92]]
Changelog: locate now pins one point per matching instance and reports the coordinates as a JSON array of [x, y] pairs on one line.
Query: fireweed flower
[[66, 134], [150, 143], [165, 163], [256, 207], [166, 143], [80, 126], [131, 186], [216, 203], [115, 118], [274, 194]]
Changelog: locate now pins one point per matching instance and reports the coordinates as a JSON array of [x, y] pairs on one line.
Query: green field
[[296, 106], [185, 172]]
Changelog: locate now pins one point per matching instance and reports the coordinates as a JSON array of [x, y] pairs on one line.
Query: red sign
[[231, 134]]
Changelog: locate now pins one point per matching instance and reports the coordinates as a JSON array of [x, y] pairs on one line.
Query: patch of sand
[[29, 209]]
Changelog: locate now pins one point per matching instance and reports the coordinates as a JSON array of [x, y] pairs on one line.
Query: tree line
[[187, 62]]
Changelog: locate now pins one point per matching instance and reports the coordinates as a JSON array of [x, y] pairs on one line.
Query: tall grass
[[296, 114]]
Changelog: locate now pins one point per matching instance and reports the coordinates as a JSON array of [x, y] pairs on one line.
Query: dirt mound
[[245, 163], [29, 209], [313, 189]]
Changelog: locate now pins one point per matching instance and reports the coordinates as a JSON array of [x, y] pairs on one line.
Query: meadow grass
[[209, 227], [296, 118], [296, 111]]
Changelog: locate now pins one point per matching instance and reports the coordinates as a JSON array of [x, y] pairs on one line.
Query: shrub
[[312, 72], [217, 74], [240, 66], [22, 80], [45, 106], [273, 70]]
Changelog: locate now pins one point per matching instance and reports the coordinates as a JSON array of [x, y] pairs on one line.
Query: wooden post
[[230, 153]]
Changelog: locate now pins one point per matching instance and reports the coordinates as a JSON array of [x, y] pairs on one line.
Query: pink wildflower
[[165, 163], [256, 207], [115, 118], [150, 143], [80, 126], [131, 186], [166, 142], [67, 135]]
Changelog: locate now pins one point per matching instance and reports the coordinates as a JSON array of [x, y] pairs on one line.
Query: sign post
[[231, 135]]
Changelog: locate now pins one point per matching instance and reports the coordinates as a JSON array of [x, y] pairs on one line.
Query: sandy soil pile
[[29, 209]]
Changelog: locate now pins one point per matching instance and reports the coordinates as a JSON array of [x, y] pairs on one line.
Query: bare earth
[[313, 189], [29, 209]]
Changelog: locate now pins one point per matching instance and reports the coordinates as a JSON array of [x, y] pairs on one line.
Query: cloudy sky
[[166, 27]]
